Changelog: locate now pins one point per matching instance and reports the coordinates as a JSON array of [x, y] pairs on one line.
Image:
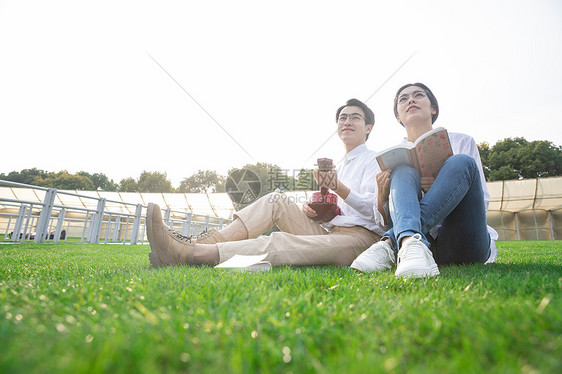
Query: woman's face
[[414, 106]]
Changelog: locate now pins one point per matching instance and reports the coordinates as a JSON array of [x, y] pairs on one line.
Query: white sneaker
[[376, 258], [415, 259]]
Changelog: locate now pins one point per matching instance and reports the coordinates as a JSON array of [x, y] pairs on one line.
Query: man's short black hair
[[430, 95], [369, 115]]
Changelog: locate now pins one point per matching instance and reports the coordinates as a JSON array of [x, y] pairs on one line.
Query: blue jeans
[[455, 200]]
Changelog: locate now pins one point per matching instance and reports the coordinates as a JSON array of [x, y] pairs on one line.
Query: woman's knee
[[461, 161], [405, 174], [461, 164], [402, 171]]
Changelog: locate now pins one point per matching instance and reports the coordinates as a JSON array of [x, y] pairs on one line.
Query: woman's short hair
[[369, 115], [430, 95]]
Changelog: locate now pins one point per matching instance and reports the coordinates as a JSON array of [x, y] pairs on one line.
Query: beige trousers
[[301, 240]]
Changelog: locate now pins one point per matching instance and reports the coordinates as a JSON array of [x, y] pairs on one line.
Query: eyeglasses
[[353, 118], [416, 95]]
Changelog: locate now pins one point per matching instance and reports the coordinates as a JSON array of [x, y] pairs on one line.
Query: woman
[[432, 221]]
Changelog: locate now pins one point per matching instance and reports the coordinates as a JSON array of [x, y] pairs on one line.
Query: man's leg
[[234, 231], [276, 209], [171, 248], [340, 247], [260, 216]]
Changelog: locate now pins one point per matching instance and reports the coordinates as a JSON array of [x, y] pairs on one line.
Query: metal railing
[[110, 221]]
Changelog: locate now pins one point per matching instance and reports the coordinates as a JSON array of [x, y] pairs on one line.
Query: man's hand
[[310, 213], [383, 186], [426, 183], [327, 179]]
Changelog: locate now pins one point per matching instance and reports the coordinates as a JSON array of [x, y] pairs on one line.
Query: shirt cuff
[[379, 219], [353, 200]]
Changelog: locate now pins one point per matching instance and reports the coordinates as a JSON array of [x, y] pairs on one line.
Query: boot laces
[[181, 237], [206, 233]]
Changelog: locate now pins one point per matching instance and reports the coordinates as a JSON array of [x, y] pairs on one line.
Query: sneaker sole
[[152, 256], [356, 268], [418, 272], [360, 268]]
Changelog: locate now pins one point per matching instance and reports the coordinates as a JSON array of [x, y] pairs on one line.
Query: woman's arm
[[383, 192], [466, 144]]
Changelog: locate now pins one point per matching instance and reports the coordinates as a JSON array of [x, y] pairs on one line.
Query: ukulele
[[324, 203]]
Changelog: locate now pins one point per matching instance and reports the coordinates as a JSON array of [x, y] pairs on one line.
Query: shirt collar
[[354, 153], [406, 141]]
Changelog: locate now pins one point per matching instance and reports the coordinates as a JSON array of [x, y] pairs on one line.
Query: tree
[[305, 181], [100, 181], [484, 150], [247, 184], [128, 185], [154, 182], [203, 182], [65, 181], [271, 176], [26, 176], [518, 158]]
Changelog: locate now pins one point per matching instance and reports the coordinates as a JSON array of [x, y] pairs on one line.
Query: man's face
[[352, 129]]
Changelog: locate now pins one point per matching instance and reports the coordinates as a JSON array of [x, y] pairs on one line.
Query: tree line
[[518, 158], [511, 158], [271, 177]]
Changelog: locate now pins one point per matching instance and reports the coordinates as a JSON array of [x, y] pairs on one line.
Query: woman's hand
[[383, 186], [426, 183], [310, 213]]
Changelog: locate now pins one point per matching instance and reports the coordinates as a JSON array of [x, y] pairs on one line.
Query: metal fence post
[[116, 228], [517, 226], [167, 215], [19, 223], [42, 231], [97, 221], [186, 226], [136, 224], [550, 225], [60, 223]]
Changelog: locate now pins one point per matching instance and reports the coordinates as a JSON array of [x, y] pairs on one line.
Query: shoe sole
[[365, 270], [418, 272], [357, 269], [153, 255]]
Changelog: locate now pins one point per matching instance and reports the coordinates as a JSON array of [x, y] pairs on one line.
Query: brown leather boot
[[168, 247], [211, 236]]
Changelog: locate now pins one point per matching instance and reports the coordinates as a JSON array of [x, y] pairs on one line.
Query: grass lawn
[[71, 308]]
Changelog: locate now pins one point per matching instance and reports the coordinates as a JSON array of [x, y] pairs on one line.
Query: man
[[301, 241]]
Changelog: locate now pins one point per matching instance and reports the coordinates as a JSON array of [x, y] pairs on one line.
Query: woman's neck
[[414, 132]]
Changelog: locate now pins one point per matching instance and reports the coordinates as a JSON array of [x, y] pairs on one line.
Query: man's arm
[[329, 179], [360, 186]]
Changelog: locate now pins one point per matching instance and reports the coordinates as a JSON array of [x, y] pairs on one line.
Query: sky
[[119, 87]]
